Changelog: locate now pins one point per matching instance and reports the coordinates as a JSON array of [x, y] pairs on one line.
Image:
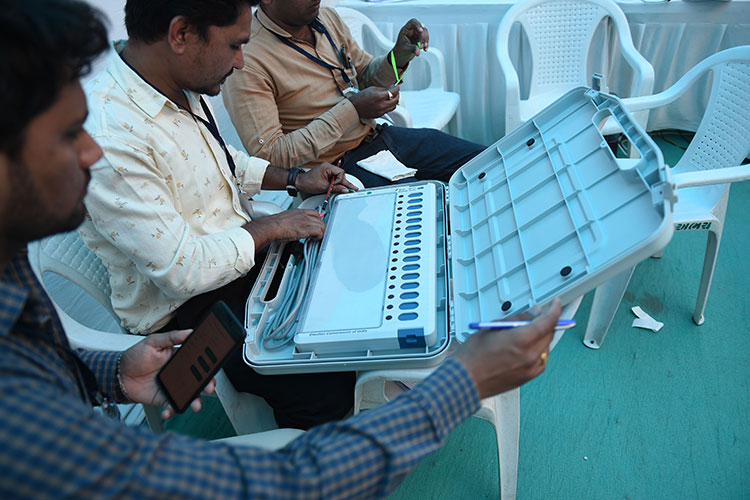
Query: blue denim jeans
[[435, 154]]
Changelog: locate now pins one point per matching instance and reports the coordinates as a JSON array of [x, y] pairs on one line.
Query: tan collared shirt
[[291, 110], [164, 209]]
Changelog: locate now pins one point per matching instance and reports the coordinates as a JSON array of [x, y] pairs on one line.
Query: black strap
[[210, 124], [320, 28], [214, 129]]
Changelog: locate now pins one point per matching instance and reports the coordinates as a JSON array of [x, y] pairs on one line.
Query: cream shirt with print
[[164, 209]]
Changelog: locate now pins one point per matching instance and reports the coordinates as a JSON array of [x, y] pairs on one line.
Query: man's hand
[[140, 364], [317, 180], [500, 360], [408, 42], [374, 102], [288, 225]]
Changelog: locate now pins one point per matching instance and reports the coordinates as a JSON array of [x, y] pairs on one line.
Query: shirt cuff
[[384, 76], [103, 364], [250, 173], [345, 115], [449, 397], [245, 246]]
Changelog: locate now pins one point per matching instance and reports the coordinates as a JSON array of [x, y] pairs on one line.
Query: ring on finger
[[543, 357], [390, 96]]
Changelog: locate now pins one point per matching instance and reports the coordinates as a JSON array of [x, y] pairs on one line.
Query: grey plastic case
[[547, 211]]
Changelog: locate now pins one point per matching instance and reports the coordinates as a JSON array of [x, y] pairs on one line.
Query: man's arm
[[60, 448], [249, 96], [75, 453]]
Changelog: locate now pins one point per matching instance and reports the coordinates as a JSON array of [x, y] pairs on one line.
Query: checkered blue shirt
[[52, 445]]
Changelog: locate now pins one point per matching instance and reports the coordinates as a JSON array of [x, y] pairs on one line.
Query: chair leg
[[607, 299], [153, 418], [504, 413], [247, 412], [709, 263]]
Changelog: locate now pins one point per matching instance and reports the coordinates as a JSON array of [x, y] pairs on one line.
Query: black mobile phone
[[201, 356]]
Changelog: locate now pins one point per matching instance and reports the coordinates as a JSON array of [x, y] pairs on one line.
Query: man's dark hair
[[148, 20], [44, 46]]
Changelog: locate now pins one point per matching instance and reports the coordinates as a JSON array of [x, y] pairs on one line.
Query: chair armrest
[[436, 64], [83, 337], [510, 75], [357, 183], [400, 117], [268, 440], [643, 81], [258, 209], [709, 177]]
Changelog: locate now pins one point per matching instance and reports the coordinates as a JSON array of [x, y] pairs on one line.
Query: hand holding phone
[[200, 357]]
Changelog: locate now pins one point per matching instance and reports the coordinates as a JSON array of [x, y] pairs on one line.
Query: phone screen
[[200, 357]]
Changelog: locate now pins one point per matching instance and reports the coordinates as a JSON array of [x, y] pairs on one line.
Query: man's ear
[[180, 33]]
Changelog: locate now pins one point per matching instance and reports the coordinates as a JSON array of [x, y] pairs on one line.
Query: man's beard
[[25, 216]]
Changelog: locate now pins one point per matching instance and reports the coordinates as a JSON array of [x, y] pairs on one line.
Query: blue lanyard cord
[[320, 28]]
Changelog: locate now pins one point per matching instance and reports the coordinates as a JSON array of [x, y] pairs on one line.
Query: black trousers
[[298, 401], [435, 154]]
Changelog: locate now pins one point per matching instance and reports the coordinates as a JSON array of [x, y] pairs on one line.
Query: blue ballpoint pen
[[563, 324]]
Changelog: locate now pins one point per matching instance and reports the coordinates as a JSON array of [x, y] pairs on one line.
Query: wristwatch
[[291, 181]]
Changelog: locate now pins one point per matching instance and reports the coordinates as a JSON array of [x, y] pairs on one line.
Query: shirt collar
[[143, 95], [269, 24], [12, 301]]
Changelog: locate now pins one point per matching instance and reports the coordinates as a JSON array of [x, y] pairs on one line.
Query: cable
[[278, 330]]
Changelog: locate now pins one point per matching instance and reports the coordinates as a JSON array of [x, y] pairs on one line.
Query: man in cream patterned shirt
[[164, 203]]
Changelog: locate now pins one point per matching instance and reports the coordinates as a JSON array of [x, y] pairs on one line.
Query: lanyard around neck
[[210, 123], [320, 28], [214, 129]]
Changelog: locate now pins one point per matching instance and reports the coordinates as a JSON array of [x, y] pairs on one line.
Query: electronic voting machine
[[546, 211]]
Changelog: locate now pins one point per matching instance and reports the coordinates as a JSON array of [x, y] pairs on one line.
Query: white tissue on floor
[[645, 321]]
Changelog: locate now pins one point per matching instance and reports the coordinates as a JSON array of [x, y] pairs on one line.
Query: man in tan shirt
[[307, 93]]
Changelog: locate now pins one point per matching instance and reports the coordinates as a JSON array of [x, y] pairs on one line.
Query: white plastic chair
[[502, 411], [66, 255], [230, 136], [703, 175], [560, 34], [430, 107]]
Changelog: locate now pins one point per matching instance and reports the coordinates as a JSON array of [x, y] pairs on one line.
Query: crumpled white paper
[[645, 321], [386, 165]]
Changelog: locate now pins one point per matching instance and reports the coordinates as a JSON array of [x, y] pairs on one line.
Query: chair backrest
[[66, 255], [560, 34], [722, 138], [361, 26]]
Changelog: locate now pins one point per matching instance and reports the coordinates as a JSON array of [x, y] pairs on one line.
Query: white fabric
[[165, 210], [673, 36], [386, 165]]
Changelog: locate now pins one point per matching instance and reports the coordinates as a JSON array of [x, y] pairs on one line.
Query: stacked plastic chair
[[560, 34], [431, 107], [703, 175]]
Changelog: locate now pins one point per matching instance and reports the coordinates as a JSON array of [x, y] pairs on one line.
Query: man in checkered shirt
[[54, 444]]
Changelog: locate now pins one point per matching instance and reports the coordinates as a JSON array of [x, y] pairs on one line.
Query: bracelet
[[119, 379], [291, 181]]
